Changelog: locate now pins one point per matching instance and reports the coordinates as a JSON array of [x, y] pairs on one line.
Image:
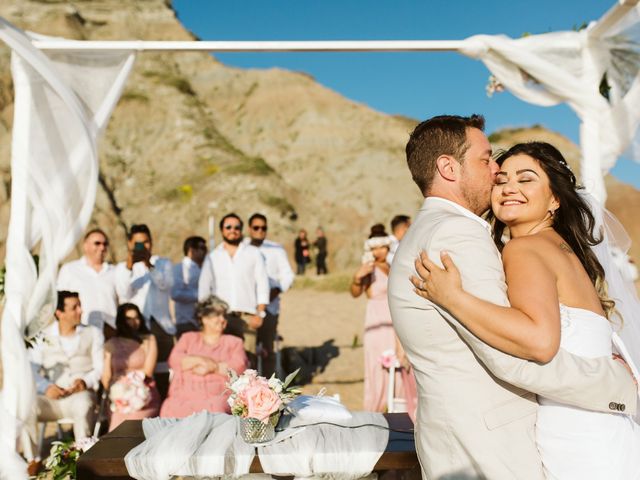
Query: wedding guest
[[145, 280], [94, 280], [280, 279], [186, 275], [235, 272], [201, 362], [321, 252], [67, 364], [399, 226], [379, 335], [302, 254], [132, 349]]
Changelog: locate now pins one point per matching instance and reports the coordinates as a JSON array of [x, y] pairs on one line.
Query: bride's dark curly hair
[[573, 220]]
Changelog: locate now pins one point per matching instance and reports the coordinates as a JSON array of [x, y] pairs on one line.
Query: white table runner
[[210, 445]]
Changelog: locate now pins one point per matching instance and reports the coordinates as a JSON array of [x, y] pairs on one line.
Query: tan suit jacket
[[476, 410]]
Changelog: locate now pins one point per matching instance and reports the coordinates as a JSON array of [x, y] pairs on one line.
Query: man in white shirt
[[399, 226], [67, 366], [280, 279], [146, 280], [94, 280], [235, 272], [184, 292]]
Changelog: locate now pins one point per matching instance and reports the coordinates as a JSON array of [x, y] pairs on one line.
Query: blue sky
[[417, 85]]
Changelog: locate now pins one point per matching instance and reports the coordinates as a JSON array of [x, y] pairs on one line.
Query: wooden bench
[[106, 458]]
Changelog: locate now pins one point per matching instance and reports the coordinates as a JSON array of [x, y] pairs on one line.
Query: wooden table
[[106, 458]]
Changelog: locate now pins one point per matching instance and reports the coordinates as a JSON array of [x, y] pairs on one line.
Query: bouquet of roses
[[130, 393], [253, 396]]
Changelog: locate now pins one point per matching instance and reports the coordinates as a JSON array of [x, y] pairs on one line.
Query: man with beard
[[476, 405], [236, 273]]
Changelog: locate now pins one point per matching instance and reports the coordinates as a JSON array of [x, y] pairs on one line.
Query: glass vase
[[256, 431]]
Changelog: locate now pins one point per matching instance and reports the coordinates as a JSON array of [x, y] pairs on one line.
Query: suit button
[[621, 407], [613, 406]]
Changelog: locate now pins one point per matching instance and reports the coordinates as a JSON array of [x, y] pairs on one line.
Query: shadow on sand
[[310, 360]]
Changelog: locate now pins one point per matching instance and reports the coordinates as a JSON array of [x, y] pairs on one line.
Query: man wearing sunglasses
[[280, 279], [94, 279], [235, 272]]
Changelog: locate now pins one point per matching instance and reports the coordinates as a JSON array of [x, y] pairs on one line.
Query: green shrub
[[251, 166]]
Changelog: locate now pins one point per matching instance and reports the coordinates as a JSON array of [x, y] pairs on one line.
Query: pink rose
[[262, 402]]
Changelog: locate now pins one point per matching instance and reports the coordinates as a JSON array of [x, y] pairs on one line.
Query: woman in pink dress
[[379, 335], [201, 362], [133, 348]]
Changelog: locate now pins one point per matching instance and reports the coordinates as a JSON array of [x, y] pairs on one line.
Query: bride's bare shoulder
[[531, 246]]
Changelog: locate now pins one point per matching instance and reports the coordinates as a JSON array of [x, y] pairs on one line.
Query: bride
[[559, 298]]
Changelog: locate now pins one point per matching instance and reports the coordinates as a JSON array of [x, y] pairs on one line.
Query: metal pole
[[257, 46]]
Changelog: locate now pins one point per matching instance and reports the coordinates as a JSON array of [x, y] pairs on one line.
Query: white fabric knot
[[475, 46]]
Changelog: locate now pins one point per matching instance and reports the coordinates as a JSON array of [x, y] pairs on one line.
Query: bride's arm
[[530, 329]]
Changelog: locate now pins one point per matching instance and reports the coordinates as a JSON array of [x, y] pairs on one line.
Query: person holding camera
[[145, 280]]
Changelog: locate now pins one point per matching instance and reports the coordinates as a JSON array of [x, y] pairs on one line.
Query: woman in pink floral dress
[[201, 361], [132, 349]]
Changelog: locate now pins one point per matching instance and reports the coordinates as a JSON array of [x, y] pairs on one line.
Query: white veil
[[626, 338]]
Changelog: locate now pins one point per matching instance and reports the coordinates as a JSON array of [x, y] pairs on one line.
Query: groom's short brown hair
[[441, 135]]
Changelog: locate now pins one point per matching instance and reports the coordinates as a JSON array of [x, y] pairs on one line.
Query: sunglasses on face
[[232, 227], [97, 244], [259, 228]]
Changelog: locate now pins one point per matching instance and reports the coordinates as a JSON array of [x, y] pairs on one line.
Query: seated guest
[[132, 349], [185, 284], [67, 366], [93, 278], [201, 362]]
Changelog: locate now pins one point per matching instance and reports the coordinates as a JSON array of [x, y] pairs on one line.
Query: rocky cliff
[[191, 135]]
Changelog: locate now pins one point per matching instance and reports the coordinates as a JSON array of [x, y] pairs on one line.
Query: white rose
[[240, 384], [275, 385]]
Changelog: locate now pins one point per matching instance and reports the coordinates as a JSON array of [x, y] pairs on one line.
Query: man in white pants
[[476, 405], [67, 366]]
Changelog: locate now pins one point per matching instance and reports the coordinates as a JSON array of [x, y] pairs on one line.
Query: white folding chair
[[43, 426], [394, 404]]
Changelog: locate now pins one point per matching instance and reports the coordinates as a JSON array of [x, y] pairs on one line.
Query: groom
[[476, 405]]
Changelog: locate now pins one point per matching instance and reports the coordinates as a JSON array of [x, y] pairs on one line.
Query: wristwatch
[[262, 314]]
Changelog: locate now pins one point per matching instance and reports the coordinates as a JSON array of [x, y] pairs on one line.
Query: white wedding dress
[[580, 444]]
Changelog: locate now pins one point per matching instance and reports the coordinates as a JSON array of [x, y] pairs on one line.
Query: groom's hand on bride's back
[[626, 365]]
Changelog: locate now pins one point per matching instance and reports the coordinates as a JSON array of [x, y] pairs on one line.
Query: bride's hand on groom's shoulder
[[439, 285]]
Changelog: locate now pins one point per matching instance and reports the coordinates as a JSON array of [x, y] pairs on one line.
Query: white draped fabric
[[206, 445], [568, 67], [63, 101]]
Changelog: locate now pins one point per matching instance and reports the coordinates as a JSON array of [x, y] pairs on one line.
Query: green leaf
[[290, 378]]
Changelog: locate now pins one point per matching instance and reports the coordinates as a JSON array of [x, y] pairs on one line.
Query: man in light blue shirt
[[281, 277], [184, 291]]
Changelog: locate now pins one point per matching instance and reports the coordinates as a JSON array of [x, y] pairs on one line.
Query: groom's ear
[[447, 167]]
